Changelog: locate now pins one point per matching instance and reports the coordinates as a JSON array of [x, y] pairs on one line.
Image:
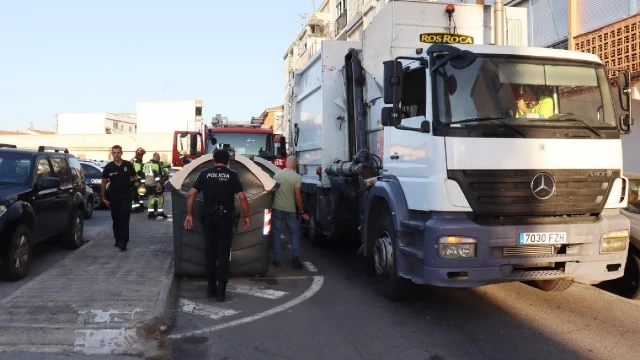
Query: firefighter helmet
[[142, 190], [140, 151]]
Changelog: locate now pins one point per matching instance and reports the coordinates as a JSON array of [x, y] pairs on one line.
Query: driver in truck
[[531, 101]]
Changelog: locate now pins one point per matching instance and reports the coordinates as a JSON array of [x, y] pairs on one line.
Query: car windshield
[[525, 92], [14, 169], [244, 143]]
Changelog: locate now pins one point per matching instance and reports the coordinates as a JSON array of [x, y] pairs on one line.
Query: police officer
[[218, 185], [153, 176], [137, 204], [121, 176]]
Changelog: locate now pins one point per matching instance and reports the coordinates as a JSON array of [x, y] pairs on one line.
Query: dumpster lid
[[177, 180]]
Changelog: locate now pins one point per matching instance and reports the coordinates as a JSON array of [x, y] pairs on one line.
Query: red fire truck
[[247, 139]]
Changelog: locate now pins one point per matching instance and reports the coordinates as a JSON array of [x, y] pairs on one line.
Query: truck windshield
[[244, 143], [14, 169], [525, 92]]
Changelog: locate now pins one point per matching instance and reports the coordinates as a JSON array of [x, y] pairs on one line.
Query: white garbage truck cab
[[457, 163]]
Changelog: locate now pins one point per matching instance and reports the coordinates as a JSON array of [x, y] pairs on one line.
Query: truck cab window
[[414, 93]]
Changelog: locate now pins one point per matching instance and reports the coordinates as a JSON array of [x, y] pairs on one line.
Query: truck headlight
[[3, 209], [457, 247], [614, 241]]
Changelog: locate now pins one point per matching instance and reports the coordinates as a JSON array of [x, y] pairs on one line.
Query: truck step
[[411, 252], [412, 225]]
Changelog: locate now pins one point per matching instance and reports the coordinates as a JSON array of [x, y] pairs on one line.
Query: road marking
[[211, 312], [309, 266], [289, 246], [312, 290], [105, 341], [256, 291]]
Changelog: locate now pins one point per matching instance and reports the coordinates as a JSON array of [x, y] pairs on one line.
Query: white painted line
[[211, 312], [312, 290], [91, 342], [258, 291], [289, 246], [309, 266], [254, 279]]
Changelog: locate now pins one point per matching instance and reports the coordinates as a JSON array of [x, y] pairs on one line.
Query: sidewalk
[[99, 300]]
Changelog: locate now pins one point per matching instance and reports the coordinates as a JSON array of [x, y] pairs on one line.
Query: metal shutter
[[593, 14], [549, 21]]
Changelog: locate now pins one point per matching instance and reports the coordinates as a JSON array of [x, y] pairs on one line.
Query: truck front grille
[[509, 192], [529, 251]]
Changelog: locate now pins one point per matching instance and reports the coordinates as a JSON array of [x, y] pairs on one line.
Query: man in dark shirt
[[120, 174], [219, 186]]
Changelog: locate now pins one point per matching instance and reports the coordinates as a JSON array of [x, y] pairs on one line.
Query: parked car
[[93, 176], [42, 195], [89, 203]]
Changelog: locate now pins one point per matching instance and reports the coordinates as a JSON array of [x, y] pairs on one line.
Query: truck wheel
[[629, 284], [316, 237], [17, 260], [74, 238], [553, 285], [384, 259]]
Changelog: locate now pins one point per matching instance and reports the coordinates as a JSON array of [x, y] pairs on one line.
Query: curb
[[163, 309]]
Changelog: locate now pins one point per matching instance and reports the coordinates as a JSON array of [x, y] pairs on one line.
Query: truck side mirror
[[393, 75], [213, 140], [625, 122], [389, 117], [624, 90]]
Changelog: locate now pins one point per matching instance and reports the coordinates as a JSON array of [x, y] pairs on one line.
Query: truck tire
[[384, 255], [628, 285], [553, 285], [18, 254], [316, 236], [74, 236]]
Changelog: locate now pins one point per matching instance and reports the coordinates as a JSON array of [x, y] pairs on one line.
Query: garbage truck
[[629, 284], [456, 162]]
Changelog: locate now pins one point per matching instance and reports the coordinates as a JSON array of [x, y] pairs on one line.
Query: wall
[[159, 117], [98, 147], [80, 123], [94, 123]]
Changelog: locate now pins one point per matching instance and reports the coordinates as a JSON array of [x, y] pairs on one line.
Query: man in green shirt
[[532, 103], [288, 195]]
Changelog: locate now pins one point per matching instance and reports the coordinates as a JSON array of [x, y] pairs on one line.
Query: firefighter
[[137, 205], [154, 176]]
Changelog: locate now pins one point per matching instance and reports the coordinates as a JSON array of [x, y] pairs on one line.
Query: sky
[[70, 56]]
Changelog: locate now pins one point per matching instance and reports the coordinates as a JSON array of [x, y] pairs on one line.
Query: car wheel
[[88, 213], [97, 201], [17, 260], [74, 238]]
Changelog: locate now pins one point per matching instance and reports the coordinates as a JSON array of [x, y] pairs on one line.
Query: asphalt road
[[347, 319]]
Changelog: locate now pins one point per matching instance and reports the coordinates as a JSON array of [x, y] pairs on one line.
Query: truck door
[[409, 155]]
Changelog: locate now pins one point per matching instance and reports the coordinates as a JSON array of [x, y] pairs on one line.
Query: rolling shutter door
[[593, 14]]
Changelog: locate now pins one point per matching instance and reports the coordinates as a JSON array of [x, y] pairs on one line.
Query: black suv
[[42, 194]]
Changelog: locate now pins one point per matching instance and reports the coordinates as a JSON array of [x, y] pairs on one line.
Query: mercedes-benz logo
[[543, 186]]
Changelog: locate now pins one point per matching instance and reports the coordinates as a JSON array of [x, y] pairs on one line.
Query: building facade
[[159, 117], [95, 123]]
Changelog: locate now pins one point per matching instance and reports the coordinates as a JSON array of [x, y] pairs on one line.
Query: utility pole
[[573, 25], [498, 12]]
